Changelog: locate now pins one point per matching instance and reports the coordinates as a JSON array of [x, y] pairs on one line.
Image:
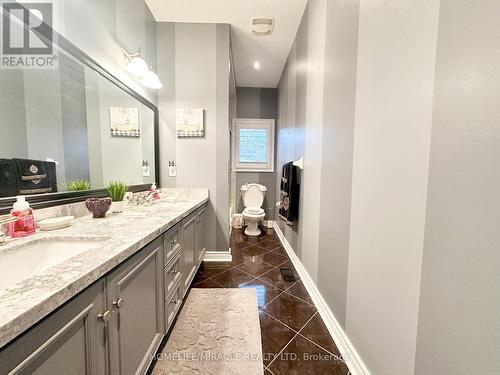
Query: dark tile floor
[[294, 337]]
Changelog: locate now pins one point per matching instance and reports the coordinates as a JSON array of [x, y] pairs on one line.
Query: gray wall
[[401, 237], [43, 118], [101, 27], [194, 64], [393, 119], [165, 32], [337, 152], [74, 119], [12, 144], [256, 103], [458, 326]]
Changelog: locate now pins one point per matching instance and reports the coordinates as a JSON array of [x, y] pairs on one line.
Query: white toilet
[[253, 214]]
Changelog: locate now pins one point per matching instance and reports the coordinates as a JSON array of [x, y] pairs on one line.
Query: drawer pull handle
[[118, 303], [173, 272], [173, 242], [104, 317], [174, 301]]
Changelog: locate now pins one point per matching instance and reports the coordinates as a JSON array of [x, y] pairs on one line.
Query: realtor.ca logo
[[27, 36]]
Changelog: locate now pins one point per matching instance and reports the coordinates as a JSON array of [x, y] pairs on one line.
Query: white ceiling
[[271, 51]]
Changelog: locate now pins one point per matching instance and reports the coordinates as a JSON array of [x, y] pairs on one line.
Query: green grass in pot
[[117, 190], [78, 185]]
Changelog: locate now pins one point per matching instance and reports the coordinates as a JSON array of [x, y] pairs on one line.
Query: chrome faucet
[[139, 199]]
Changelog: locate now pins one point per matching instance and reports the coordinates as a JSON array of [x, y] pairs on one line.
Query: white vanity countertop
[[27, 302]]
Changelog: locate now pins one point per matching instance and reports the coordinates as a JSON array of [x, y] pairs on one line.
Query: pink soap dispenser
[[25, 223], [154, 192]]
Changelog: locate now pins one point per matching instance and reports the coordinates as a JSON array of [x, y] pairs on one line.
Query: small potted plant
[[117, 191], [78, 185]]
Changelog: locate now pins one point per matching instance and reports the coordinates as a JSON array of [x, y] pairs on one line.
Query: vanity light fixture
[[138, 67], [256, 65], [135, 63], [151, 80]]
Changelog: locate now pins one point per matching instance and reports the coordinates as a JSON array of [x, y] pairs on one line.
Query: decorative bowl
[[98, 206]]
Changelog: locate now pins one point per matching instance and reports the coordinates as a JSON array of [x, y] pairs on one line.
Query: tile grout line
[[309, 303], [315, 343], [257, 244], [257, 277], [293, 338], [281, 292], [262, 274], [265, 273], [306, 323], [280, 322], [268, 264], [239, 264], [281, 351]]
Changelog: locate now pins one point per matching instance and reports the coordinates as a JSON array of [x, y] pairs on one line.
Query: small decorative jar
[[98, 206]]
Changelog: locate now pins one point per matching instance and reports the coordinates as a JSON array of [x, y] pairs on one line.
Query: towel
[[36, 176], [289, 197], [8, 178]]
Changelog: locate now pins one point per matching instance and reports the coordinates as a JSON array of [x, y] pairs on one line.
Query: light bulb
[[138, 67], [151, 80]]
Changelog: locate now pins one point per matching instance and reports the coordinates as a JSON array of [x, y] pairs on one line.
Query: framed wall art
[[190, 122], [125, 121]]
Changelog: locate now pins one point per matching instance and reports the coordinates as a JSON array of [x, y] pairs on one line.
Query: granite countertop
[[121, 235]]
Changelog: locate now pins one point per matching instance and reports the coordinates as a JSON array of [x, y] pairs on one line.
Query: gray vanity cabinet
[[200, 235], [188, 245], [72, 340], [135, 294], [193, 245], [116, 324]]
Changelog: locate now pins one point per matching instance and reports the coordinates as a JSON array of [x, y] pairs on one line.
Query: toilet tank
[[253, 195]]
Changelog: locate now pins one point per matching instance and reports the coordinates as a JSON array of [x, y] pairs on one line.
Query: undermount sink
[[26, 260]]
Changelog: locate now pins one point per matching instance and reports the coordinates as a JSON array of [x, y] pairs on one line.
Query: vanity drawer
[[171, 242], [172, 305], [173, 272]]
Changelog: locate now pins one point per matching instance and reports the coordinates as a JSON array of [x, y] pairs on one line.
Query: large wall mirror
[[66, 133]]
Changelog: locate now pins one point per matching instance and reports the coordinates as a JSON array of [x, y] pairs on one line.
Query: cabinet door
[[188, 246], [135, 293], [200, 235], [70, 341]]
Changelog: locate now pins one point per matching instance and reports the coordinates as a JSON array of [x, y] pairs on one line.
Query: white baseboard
[[218, 256], [353, 360]]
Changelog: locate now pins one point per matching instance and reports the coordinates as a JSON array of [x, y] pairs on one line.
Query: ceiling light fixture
[[262, 26], [256, 65]]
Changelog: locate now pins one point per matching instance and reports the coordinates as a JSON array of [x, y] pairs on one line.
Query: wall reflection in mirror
[[71, 129]]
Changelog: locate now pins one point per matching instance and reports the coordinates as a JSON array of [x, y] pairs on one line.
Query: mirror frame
[[38, 201]]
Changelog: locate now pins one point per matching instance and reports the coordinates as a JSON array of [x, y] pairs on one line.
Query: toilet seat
[[253, 211]]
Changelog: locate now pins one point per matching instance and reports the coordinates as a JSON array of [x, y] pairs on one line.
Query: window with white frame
[[254, 145]]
